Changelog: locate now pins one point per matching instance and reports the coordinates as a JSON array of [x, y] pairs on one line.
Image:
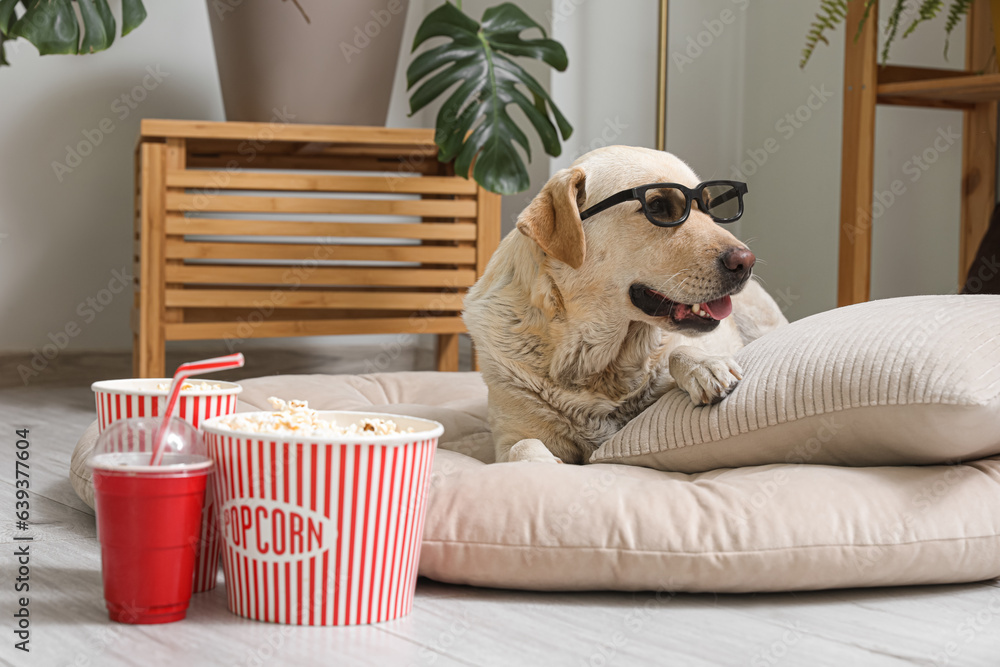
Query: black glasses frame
[[695, 194]]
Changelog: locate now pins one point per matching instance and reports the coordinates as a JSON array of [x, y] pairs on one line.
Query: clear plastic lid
[[128, 444]]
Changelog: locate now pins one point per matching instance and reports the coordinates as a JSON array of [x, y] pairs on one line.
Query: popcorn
[[295, 417], [191, 386]]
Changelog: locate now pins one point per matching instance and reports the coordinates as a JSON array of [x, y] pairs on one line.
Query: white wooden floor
[[450, 625]]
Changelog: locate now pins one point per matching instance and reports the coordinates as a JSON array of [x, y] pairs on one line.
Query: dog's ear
[[552, 219]]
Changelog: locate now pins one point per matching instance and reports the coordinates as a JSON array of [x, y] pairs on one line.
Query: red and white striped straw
[[184, 371]]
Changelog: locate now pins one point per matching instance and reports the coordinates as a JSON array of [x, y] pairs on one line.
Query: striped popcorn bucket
[[139, 397], [124, 399], [322, 530]]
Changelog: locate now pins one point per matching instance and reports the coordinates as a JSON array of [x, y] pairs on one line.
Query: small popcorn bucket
[[322, 530], [125, 399], [140, 397]]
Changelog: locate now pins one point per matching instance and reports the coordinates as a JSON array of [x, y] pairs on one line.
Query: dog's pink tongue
[[719, 309]]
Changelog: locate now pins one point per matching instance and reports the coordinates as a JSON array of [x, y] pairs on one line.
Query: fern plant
[[833, 12], [958, 9]]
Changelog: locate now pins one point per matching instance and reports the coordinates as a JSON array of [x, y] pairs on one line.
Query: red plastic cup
[[141, 397], [148, 519]]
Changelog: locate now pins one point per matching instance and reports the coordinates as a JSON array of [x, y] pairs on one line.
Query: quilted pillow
[[914, 380]]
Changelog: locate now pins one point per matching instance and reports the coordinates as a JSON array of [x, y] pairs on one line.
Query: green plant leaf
[[503, 26], [956, 11], [98, 25], [133, 14], [927, 11], [445, 21], [831, 14], [892, 28], [50, 25], [3, 56], [474, 127], [869, 5], [6, 14]]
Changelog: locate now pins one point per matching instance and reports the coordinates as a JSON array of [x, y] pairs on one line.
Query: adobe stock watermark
[[968, 630], [567, 521], [988, 270], [785, 298], [122, 107], [611, 130], [633, 623], [695, 45], [248, 149], [419, 324], [786, 127], [87, 311], [771, 482], [363, 35], [921, 502], [267, 649], [914, 168], [562, 10], [292, 279], [444, 640], [223, 7], [779, 649], [101, 639], [11, 47], [414, 162]]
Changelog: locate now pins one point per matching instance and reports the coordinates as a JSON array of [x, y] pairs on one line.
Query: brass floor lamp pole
[[661, 78]]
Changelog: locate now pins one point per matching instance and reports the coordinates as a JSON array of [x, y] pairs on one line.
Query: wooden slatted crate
[[255, 230]]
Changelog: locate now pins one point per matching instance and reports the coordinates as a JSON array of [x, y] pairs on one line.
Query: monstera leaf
[[474, 127], [52, 25]]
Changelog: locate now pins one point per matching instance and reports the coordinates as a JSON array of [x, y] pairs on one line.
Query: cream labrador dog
[[581, 321]]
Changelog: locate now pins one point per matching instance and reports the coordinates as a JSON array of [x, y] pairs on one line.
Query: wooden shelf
[[866, 85], [331, 279], [282, 130], [957, 91]]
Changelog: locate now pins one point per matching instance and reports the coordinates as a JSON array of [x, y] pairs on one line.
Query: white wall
[[916, 241], [609, 91], [67, 233]]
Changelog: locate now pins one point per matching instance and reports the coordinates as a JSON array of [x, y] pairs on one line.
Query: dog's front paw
[[531, 449], [709, 379]]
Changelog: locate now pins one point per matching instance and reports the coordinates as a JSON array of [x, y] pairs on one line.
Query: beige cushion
[[766, 528], [769, 528], [914, 380]]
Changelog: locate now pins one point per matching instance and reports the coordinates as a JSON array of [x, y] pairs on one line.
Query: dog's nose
[[739, 260]]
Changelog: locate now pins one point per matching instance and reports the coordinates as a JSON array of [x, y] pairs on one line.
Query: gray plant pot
[[337, 68]]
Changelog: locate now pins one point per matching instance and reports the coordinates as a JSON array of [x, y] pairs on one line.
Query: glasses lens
[[722, 200], [665, 205]]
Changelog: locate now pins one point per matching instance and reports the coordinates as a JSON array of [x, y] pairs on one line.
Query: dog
[[578, 326]]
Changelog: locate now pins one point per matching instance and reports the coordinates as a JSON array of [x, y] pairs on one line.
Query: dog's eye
[[662, 207]]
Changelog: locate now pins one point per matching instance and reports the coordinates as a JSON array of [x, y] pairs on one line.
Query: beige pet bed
[[772, 527]]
